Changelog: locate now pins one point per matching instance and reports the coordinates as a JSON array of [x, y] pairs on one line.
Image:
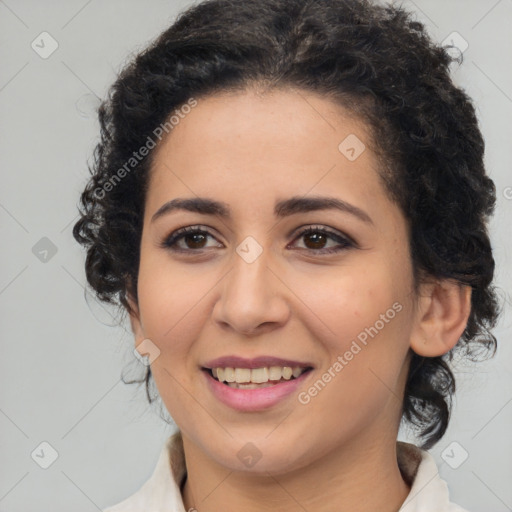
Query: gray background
[[61, 356]]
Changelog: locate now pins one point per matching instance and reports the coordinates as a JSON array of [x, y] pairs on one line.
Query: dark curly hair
[[378, 63]]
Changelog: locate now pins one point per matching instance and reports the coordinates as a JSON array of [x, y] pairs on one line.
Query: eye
[[193, 236], [316, 237]]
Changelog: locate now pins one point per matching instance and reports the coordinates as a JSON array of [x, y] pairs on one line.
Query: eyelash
[[345, 242]]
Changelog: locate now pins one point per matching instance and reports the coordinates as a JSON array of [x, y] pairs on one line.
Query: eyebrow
[[283, 208]]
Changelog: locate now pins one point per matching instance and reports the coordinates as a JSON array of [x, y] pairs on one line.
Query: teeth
[[250, 385], [297, 370], [274, 373], [229, 375], [256, 375], [259, 375], [287, 372], [242, 375]]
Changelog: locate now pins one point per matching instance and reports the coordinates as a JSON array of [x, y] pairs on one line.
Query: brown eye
[[316, 238], [194, 238]]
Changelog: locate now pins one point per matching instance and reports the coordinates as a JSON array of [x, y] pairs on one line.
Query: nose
[[253, 299]]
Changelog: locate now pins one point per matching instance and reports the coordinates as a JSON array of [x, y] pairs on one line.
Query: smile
[[252, 378], [275, 384]]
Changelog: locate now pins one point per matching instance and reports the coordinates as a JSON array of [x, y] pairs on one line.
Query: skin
[[338, 452]]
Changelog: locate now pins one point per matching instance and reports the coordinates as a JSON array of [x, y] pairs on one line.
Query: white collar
[[161, 493]]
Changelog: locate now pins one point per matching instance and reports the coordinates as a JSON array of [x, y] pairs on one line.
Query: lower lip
[[253, 399]]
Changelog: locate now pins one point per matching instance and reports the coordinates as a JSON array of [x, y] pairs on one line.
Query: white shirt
[[161, 493]]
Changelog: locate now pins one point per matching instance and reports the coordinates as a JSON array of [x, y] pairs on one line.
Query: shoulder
[[429, 492], [161, 491]]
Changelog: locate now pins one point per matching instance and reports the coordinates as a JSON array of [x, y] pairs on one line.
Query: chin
[[261, 456]]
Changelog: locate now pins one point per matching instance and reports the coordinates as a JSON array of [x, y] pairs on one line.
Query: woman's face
[[338, 299]]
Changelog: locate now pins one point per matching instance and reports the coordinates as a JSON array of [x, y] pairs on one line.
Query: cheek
[[362, 320], [346, 300], [171, 300], [167, 292], [172, 312], [365, 323]]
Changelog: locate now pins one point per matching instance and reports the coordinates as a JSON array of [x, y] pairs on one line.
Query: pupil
[[188, 237], [319, 237]]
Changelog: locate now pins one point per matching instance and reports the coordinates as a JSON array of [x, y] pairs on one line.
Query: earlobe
[[443, 310]]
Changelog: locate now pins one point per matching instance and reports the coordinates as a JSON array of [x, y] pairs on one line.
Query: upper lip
[[256, 362]]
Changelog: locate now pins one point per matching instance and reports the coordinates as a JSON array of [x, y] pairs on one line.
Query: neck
[[358, 478]]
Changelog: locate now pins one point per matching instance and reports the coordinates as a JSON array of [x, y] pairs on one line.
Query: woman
[[289, 200]]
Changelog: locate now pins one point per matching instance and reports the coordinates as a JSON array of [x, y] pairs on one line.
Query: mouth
[[256, 378]]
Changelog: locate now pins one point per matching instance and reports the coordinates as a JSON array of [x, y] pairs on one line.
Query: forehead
[[251, 150]]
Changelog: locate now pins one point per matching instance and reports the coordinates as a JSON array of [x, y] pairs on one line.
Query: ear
[[442, 314], [135, 321]]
